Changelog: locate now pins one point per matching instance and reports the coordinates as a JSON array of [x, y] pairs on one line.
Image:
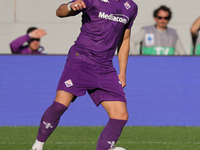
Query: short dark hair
[[30, 29], [164, 8]]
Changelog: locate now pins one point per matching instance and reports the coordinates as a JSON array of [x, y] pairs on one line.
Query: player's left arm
[[123, 53]]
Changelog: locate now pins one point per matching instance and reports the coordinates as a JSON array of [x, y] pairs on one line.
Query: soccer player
[[195, 32], [106, 25], [29, 43], [158, 39]]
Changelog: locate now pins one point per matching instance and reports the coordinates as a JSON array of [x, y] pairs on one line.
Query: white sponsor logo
[[68, 83], [47, 125], [114, 17], [106, 1]]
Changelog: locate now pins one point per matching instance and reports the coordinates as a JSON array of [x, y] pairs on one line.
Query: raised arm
[[70, 8], [123, 53]]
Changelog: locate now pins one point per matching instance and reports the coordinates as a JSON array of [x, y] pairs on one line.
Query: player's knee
[[125, 116], [121, 115]]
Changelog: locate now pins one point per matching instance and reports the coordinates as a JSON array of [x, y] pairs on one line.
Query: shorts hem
[[97, 104]]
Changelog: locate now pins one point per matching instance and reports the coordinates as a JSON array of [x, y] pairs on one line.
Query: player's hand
[[122, 79], [78, 5], [37, 33]]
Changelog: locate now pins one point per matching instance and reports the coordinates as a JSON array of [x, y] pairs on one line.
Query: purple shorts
[[102, 83]]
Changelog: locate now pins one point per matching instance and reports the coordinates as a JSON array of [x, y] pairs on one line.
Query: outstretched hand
[[37, 33], [78, 5]]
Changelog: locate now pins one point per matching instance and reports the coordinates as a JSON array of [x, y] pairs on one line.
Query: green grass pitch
[[85, 138]]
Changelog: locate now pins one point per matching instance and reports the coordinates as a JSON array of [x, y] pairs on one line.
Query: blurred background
[[17, 15]]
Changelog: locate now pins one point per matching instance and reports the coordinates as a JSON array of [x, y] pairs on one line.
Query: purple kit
[[89, 63]]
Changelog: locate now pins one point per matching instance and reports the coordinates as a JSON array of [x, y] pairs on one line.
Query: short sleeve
[[135, 11]]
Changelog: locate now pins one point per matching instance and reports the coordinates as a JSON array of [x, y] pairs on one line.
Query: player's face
[[34, 45], [162, 19]]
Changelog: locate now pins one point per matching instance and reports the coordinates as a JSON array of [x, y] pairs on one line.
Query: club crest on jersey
[[127, 5], [68, 83]]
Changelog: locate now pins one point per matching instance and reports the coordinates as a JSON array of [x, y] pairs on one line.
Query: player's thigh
[[116, 109], [64, 97]]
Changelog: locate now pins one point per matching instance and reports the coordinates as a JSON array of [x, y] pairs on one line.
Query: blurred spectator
[[195, 32], [29, 43], [157, 39]]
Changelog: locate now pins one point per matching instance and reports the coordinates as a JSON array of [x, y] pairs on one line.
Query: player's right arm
[[70, 8]]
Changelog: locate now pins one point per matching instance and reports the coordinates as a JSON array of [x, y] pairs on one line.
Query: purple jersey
[[103, 22], [18, 46]]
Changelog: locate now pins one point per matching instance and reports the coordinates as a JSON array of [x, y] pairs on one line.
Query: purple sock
[[50, 120], [110, 134]]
